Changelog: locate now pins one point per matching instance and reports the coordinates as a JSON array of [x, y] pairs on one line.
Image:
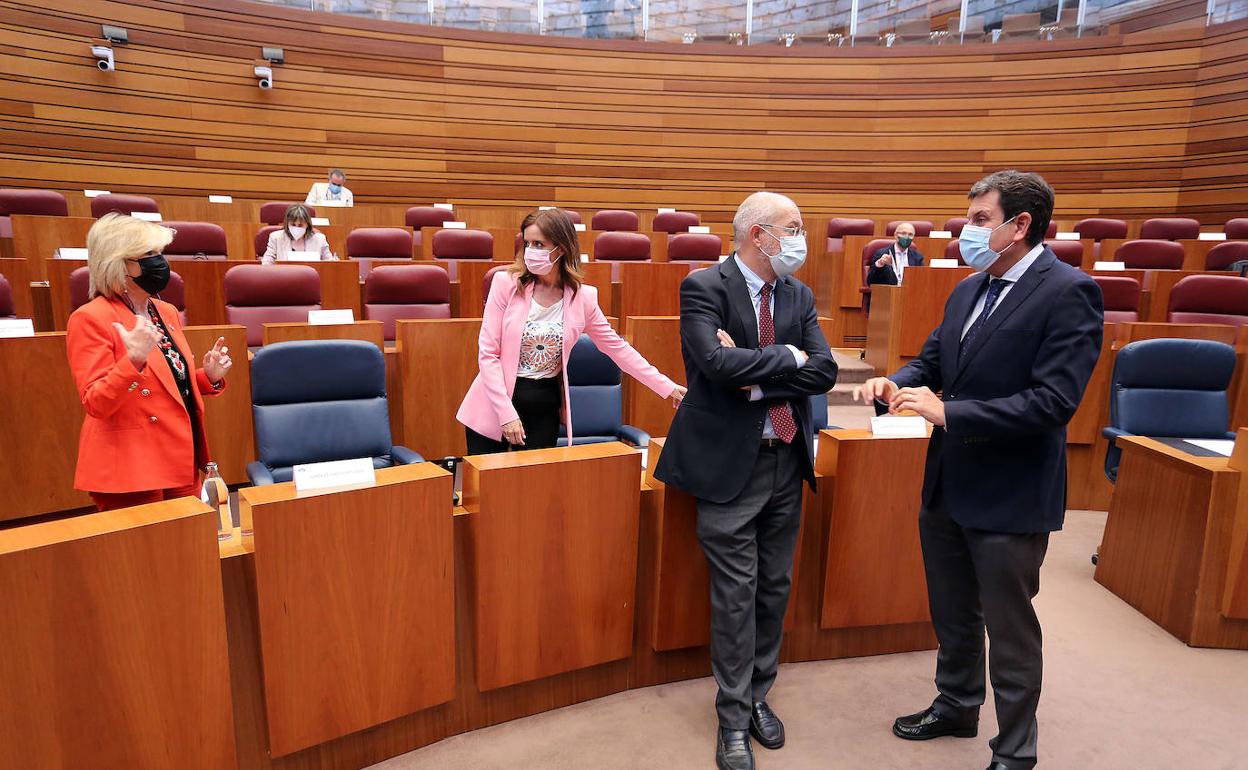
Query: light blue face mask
[[792, 254], [973, 244], [335, 188]]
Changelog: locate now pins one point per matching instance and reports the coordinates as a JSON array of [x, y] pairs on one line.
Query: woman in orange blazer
[[143, 437]]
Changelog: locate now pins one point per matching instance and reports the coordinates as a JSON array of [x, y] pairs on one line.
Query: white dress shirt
[[755, 285], [320, 195], [1012, 275], [900, 259]]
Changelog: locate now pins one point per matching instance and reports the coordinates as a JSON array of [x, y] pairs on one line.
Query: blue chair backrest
[[819, 411], [1172, 387], [319, 400], [595, 391]]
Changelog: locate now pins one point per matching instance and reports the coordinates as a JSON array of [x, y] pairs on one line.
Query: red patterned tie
[[780, 412]]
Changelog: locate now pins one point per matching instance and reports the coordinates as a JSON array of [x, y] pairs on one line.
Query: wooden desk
[[849, 281], [36, 238], [437, 362], [553, 552], [228, 420], [367, 331], [356, 594], [875, 574], [1167, 541], [18, 273], [204, 282], [1194, 252], [115, 646], [650, 289], [903, 317]]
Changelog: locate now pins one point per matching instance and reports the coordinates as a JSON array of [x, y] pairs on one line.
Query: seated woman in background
[[536, 311], [296, 234], [143, 435]]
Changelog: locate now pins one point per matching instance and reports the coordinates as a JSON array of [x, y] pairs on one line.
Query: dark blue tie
[[995, 287]]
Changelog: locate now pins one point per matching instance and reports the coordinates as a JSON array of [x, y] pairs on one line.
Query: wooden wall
[[1131, 125]]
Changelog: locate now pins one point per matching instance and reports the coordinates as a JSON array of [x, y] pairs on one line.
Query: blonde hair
[[112, 240]]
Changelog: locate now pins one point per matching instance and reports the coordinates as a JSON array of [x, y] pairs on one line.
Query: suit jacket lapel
[[156, 362], [951, 338], [1016, 296], [739, 298]]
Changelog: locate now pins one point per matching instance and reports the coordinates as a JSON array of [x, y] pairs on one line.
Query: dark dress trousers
[[995, 482], [748, 496], [887, 275]]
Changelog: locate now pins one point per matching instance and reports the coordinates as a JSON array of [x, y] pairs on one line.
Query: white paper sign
[[940, 234], [667, 211], [722, 257], [146, 216], [16, 327], [584, 257], [1067, 236], [220, 199], [447, 206], [1222, 446], [578, 226], [898, 426], [545, 208], [943, 263], [335, 473], [326, 317], [699, 228], [68, 253], [1211, 237], [95, 193], [1109, 265], [320, 221], [303, 256], [454, 225], [333, 204]]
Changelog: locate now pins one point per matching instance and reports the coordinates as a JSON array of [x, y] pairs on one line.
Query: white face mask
[[297, 231]]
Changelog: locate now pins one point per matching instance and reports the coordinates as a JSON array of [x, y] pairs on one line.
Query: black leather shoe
[[766, 727], [929, 724], [732, 750], [998, 766]]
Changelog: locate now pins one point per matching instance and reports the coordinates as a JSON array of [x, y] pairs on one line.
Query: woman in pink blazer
[[536, 311]]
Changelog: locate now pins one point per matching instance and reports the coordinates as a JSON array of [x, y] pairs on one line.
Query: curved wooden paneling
[[1128, 124]]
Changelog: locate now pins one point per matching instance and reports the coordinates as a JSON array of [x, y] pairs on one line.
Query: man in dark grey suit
[[741, 443], [1010, 360]]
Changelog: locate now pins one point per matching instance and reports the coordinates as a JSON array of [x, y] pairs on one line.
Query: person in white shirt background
[[888, 265], [331, 193], [296, 234]]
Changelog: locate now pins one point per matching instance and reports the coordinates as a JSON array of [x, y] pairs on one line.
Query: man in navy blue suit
[[1010, 361]]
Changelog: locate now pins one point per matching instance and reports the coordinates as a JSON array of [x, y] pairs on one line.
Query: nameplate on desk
[[326, 317], [940, 234], [546, 208], [95, 193], [68, 253], [943, 263], [335, 473], [455, 225], [699, 228], [334, 204], [16, 327], [447, 206], [146, 216], [302, 256], [667, 211], [584, 257], [1211, 237], [898, 426], [578, 226], [722, 257], [1067, 236], [220, 199], [1109, 266], [1223, 447], [320, 221]]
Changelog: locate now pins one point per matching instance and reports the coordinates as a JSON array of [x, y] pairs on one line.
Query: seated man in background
[[331, 193], [888, 265]]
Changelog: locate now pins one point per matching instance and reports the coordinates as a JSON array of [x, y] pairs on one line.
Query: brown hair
[[297, 212], [1019, 192], [556, 227]]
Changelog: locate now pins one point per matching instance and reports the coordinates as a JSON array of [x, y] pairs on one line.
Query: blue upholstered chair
[[1170, 388], [320, 400], [597, 400]]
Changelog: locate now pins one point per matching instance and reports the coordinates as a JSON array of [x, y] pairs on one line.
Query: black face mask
[[155, 274]]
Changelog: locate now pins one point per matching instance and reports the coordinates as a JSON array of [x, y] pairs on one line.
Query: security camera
[[105, 56], [266, 77]]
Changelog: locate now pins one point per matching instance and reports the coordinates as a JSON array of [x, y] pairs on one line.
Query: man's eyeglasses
[[786, 230]]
